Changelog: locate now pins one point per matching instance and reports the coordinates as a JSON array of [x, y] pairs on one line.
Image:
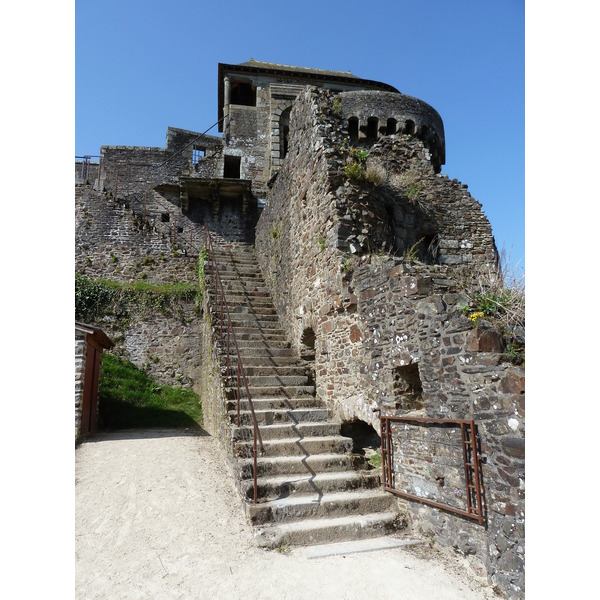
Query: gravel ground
[[158, 517]]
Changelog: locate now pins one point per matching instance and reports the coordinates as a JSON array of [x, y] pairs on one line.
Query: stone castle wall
[[80, 354], [389, 333], [114, 241], [134, 169]]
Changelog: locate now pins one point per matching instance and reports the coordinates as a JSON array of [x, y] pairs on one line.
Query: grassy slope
[[128, 397]]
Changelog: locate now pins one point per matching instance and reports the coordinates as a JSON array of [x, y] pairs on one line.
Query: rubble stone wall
[[80, 355], [389, 331], [131, 169], [115, 242], [113, 239]]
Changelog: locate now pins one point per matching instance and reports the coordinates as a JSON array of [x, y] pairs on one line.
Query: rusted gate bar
[[470, 460]]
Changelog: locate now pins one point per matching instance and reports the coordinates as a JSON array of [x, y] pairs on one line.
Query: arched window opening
[[372, 126], [409, 127], [365, 440], [392, 126], [353, 129], [284, 132]]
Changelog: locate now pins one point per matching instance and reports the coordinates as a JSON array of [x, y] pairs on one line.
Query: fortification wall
[[165, 342], [136, 169], [395, 113], [387, 332], [114, 241]]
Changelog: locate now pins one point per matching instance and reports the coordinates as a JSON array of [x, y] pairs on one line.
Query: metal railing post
[[241, 378]]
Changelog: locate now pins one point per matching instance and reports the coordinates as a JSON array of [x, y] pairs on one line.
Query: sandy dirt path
[[158, 517]]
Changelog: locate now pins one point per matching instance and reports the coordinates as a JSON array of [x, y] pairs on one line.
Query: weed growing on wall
[[202, 258], [321, 243], [497, 294], [356, 170], [336, 107], [412, 253]]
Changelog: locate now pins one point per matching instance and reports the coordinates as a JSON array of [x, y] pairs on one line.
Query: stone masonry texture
[[331, 249], [367, 251]]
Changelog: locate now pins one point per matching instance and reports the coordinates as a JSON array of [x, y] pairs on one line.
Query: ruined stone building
[[348, 262]]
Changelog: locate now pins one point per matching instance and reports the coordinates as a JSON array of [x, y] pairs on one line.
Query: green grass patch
[[130, 398], [375, 460]]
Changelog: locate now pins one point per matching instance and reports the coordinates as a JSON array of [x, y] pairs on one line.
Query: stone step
[[297, 446], [227, 258], [257, 381], [319, 506], [275, 403], [288, 391], [236, 288], [257, 311], [249, 334], [282, 416], [248, 302], [264, 320], [267, 360], [237, 269], [251, 351], [281, 431], [287, 485], [273, 332], [269, 370], [249, 285], [324, 531], [302, 465], [263, 345], [272, 392], [244, 279]]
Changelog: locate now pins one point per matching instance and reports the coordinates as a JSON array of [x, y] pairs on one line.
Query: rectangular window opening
[[198, 153], [231, 167]]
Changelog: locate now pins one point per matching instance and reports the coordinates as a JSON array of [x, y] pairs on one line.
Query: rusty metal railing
[[470, 455], [228, 338], [86, 163]]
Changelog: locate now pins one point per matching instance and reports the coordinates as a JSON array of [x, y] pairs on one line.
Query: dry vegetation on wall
[[497, 301]]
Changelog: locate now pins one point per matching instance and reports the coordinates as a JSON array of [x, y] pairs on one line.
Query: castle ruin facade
[[370, 256]]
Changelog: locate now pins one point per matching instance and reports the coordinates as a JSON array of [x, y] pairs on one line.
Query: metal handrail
[[221, 302]]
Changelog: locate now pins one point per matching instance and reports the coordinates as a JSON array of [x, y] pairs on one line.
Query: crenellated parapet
[[370, 115]]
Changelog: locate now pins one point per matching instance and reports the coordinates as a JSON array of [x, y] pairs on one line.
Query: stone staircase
[[312, 489]]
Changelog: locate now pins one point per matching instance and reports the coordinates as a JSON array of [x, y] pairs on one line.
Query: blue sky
[[81, 74], [141, 66]]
